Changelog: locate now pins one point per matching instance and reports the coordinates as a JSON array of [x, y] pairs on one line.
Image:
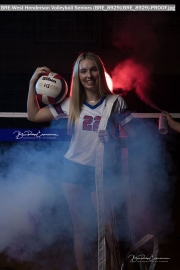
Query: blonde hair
[[77, 92]]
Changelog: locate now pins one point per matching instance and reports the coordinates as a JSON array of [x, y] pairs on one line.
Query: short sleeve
[[121, 113], [60, 110]]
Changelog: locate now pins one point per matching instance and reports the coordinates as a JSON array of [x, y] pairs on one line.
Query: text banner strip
[[157, 7]]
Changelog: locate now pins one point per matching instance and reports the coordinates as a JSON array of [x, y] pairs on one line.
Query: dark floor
[[54, 259]]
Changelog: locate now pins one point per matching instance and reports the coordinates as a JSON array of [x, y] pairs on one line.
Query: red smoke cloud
[[130, 75]]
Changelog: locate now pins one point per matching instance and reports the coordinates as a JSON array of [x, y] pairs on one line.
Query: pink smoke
[[130, 75]]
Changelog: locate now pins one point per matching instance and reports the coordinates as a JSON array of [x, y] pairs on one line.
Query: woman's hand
[[167, 115], [103, 135], [35, 113], [39, 72], [171, 122]]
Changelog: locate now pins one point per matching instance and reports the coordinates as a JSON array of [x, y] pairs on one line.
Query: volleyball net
[[12, 129], [135, 115]]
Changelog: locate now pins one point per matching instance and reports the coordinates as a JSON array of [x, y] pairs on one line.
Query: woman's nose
[[89, 73]]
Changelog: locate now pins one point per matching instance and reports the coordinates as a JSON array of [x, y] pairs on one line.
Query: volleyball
[[51, 88]]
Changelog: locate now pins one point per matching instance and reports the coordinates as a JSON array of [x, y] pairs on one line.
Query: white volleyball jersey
[[84, 140]]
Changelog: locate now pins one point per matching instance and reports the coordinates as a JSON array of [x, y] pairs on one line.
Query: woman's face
[[89, 75]]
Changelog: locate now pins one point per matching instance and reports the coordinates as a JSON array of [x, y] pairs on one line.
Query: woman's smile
[[89, 74]]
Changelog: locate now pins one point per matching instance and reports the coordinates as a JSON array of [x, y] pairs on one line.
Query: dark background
[[54, 39]]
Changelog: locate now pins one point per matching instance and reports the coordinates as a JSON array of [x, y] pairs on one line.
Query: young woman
[[85, 107]]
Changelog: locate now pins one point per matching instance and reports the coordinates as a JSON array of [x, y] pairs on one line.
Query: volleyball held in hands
[[51, 88]]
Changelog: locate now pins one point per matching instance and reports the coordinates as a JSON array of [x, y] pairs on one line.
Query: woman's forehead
[[87, 63]]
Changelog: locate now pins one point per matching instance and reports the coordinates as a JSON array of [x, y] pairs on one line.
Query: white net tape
[[135, 115]]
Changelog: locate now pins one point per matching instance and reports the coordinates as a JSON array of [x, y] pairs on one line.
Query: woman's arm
[[36, 114], [171, 122]]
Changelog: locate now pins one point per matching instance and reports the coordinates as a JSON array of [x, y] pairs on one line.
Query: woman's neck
[[93, 98]]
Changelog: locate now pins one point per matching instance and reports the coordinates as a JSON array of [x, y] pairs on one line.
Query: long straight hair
[[77, 92]]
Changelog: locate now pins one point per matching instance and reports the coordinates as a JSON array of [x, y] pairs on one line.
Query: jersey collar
[[94, 106]]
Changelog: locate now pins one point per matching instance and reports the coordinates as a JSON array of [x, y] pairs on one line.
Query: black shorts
[[76, 173]]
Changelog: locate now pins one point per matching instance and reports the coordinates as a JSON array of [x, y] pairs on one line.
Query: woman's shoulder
[[118, 102], [65, 100], [115, 97]]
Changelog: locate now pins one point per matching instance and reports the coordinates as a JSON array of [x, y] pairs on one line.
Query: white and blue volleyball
[[51, 88]]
